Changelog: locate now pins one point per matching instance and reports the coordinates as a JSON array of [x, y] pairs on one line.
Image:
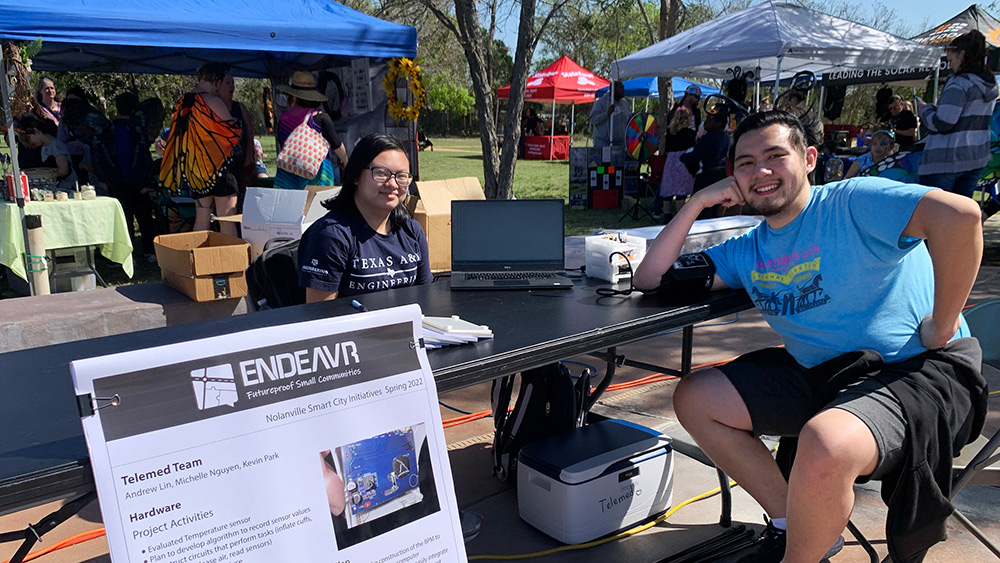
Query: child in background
[[709, 153], [258, 152], [882, 144]]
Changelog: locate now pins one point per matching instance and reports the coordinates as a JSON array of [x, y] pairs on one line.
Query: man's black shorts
[[780, 401]]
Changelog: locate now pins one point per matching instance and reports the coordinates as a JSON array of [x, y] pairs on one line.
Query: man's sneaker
[[769, 547]]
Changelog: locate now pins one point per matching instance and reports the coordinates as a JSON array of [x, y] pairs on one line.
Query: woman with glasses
[[368, 241], [957, 146]]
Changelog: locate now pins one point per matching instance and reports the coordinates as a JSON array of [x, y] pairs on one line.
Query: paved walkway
[[650, 405]]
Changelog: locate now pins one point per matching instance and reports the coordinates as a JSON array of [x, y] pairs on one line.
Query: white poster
[[361, 92], [317, 441]]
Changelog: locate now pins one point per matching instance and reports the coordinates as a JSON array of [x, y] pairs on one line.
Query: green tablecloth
[[91, 222]]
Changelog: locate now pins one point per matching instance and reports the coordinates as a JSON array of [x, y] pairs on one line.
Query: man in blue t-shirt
[[863, 264]]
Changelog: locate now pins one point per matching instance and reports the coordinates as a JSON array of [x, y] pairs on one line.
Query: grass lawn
[[533, 179], [451, 158]]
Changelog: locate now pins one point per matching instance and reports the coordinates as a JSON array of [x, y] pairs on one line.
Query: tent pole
[[822, 95], [937, 77], [12, 143], [552, 128], [777, 83], [572, 122], [756, 89]]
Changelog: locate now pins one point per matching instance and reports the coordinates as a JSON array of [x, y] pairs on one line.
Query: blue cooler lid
[[582, 454]]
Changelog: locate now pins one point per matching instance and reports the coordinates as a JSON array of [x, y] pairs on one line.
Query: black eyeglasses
[[382, 175]]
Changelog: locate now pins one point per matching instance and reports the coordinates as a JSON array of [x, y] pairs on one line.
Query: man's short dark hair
[[895, 98], [762, 119]]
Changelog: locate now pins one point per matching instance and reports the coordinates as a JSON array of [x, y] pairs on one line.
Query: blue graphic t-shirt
[[341, 252], [840, 277]]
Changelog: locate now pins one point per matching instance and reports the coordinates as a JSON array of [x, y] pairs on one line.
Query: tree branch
[[649, 24]]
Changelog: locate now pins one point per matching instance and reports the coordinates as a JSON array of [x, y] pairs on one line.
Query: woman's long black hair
[[973, 43], [367, 149]]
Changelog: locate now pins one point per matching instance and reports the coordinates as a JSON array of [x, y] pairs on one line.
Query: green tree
[[450, 104], [465, 21]]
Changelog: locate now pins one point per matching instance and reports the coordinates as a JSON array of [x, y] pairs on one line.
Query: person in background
[[690, 99], [201, 119], [305, 106], [882, 147], [902, 122], [128, 170], [677, 182], [865, 273], [37, 133], [258, 164], [611, 110], [49, 104], [244, 153], [709, 154], [267, 109], [957, 146], [76, 129], [865, 136], [368, 241], [532, 125], [908, 106]]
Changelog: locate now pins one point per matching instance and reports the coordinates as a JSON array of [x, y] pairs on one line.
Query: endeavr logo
[[214, 386]]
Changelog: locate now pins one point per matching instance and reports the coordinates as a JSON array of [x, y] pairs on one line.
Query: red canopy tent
[[562, 82]]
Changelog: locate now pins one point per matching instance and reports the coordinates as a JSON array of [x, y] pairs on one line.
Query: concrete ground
[[504, 533]]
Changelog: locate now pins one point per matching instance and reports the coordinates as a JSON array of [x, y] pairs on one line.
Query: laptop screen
[[499, 235]]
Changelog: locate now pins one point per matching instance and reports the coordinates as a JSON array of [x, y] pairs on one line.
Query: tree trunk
[[515, 103], [498, 169], [482, 86], [669, 10]]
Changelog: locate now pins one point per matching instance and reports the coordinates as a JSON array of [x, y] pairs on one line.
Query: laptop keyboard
[[500, 276]]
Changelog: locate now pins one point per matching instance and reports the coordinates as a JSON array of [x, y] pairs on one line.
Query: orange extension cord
[[72, 540]]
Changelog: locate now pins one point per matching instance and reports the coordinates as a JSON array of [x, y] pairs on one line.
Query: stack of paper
[[451, 331]]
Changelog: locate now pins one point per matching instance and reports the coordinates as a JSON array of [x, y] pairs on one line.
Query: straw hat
[[303, 86]]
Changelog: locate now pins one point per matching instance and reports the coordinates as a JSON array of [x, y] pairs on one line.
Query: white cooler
[[596, 480]]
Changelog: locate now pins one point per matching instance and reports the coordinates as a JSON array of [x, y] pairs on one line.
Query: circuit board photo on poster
[[380, 474]]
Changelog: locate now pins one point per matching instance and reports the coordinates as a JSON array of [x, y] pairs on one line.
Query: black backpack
[[272, 278], [548, 402]]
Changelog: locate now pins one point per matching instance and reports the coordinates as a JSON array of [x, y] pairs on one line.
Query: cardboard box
[[204, 265], [269, 213], [208, 288], [433, 211]]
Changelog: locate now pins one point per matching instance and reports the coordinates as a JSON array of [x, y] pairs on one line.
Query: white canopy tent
[[779, 39]]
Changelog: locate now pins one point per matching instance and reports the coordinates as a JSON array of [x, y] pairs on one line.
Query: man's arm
[[665, 249], [599, 113], [952, 226]]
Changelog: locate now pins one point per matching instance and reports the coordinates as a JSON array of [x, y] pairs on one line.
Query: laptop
[[508, 244]]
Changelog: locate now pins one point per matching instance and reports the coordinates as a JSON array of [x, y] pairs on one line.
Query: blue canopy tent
[[647, 87], [257, 39]]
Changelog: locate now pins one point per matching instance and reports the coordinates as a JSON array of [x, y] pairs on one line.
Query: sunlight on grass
[[533, 179]]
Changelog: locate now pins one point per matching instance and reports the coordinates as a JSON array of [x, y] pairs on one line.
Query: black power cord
[[609, 292]]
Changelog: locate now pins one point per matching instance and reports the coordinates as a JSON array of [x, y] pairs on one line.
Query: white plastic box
[[592, 481], [600, 262], [271, 212]]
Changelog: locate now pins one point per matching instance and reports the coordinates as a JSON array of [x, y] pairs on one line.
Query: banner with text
[[300, 442]]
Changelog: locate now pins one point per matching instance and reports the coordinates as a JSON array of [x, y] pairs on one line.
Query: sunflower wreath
[[409, 70]]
